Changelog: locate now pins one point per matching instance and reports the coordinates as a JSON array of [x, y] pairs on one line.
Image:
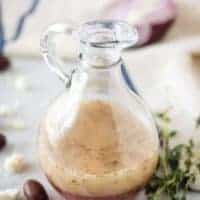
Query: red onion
[[152, 18]]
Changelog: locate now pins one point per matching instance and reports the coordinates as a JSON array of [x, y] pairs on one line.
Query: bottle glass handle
[[47, 45]]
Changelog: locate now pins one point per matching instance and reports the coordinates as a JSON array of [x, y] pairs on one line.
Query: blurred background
[[40, 13], [165, 64]]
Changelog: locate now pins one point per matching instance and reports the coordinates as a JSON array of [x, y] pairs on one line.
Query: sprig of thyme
[[173, 175], [198, 122]]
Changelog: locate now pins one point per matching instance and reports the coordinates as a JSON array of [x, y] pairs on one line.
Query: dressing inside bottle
[[98, 140]]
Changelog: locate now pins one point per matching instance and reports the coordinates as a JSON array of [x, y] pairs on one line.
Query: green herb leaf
[[198, 122], [171, 180], [163, 116]]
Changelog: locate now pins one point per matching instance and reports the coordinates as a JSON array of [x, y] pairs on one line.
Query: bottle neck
[[100, 80], [103, 74], [99, 57]]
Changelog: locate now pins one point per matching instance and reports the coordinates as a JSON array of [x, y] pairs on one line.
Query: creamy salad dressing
[[106, 151]]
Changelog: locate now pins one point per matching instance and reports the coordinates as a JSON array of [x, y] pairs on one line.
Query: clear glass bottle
[[98, 139]]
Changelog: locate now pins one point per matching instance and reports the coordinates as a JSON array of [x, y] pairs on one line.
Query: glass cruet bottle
[[97, 139]]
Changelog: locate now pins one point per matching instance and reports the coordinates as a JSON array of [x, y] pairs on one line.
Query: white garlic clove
[[6, 110], [16, 123], [21, 83], [10, 194], [16, 163]]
